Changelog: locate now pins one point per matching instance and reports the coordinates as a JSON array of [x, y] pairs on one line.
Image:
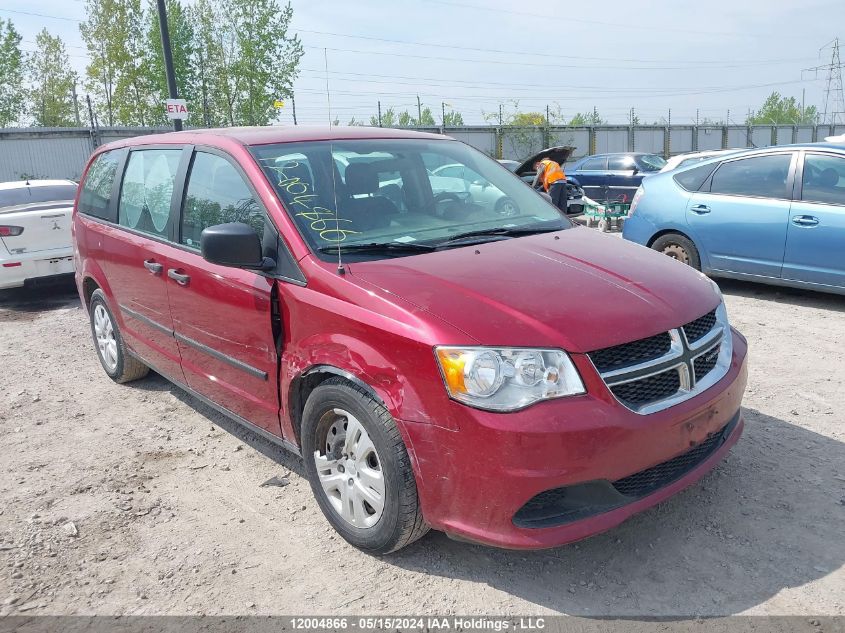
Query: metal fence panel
[[520, 143], [649, 140], [579, 138], [709, 138], [681, 140], [738, 137], [611, 140], [804, 134], [484, 140], [761, 136], [57, 154], [785, 134]]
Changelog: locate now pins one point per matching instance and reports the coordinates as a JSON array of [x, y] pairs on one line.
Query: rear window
[[97, 188], [692, 179], [651, 162], [34, 194]]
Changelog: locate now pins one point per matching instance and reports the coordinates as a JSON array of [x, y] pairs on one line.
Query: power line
[[523, 52], [569, 19], [556, 65]]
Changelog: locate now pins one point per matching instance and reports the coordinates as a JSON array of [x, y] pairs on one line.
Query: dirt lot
[[138, 499]]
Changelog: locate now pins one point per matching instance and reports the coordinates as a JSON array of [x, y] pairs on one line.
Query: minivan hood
[[575, 289]]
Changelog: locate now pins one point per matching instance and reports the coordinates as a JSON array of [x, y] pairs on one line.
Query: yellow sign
[[278, 104]]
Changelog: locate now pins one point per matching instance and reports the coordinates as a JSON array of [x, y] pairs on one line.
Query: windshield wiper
[[514, 231], [397, 247]]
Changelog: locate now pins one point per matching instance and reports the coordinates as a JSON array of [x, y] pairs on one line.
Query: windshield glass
[[405, 191], [652, 162]]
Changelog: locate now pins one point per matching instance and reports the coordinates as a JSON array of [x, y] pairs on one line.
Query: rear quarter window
[[692, 179], [95, 199], [36, 194]]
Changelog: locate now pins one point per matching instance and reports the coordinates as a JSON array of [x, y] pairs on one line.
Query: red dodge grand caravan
[[438, 358]]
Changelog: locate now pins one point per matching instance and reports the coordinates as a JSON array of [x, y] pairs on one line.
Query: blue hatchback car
[[774, 215]]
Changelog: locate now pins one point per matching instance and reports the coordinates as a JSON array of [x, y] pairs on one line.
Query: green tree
[[183, 45], [355, 122], [388, 119], [52, 81], [11, 74], [453, 119], [103, 44], [265, 60], [131, 98], [207, 60], [778, 110], [588, 118]]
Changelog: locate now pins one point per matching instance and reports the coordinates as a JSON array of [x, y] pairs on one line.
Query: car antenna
[[340, 269]]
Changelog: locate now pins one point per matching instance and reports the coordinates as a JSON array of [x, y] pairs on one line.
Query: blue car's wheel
[[678, 247]]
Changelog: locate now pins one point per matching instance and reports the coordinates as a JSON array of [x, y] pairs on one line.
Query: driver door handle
[[154, 267], [178, 277], [805, 220], [700, 209]]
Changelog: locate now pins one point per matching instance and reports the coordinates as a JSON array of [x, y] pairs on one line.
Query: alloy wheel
[[104, 332]]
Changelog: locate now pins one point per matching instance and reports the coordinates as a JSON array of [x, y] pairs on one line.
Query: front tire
[[359, 469], [678, 247], [111, 350]]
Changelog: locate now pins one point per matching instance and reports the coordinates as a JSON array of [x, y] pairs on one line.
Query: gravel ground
[[138, 499]]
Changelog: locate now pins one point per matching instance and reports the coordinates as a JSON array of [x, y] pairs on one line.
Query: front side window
[[145, 197], [216, 194], [406, 193], [621, 163], [97, 188], [758, 176], [824, 179], [595, 164]]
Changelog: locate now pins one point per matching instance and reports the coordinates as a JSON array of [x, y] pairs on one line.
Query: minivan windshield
[[381, 198], [652, 162]]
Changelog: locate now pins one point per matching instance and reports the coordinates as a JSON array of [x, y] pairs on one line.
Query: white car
[[454, 178], [685, 160], [35, 240]]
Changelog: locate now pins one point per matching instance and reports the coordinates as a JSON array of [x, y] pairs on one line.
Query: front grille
[[647, 481], [705, 363], [700, 326], [627, 354], [657, 387]]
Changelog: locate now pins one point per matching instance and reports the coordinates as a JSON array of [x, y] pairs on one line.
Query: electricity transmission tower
[[834, 96]]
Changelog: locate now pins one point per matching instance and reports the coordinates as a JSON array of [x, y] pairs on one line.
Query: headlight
[[507, 379]]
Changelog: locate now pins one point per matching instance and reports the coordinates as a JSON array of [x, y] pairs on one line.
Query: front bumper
[[473, 482], [18, 270]]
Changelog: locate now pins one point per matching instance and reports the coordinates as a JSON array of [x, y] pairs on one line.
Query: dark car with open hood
[[438, 359]]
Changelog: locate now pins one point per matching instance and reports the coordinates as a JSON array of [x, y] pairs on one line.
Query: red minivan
[[438, 358]]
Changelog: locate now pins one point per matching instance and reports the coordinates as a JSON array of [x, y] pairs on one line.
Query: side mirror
[[234, 244], [635, 170]]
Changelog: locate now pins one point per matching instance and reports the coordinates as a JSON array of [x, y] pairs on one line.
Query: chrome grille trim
[[680, 358]]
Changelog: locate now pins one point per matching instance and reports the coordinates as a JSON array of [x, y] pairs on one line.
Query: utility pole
[[168, 58], [379, 113], [419, 111], [500, 115], [293, 105], [443, 112], [328, 94], [76, 106], [548, 121], [696, 117]]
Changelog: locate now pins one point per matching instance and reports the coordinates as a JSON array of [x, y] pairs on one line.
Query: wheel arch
[[304, 384]]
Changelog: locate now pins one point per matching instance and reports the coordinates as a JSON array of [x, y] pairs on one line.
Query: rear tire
[[370, 498], [111, 350], [678, 247]]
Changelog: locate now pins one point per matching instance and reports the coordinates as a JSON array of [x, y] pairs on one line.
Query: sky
[[700, 59]]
